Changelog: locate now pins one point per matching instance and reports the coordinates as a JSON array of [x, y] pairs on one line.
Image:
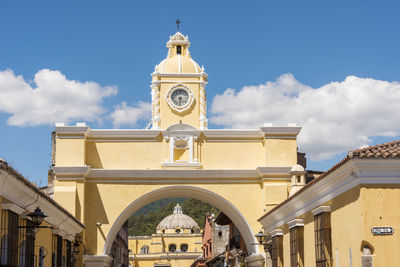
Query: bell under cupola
[[178, 88]]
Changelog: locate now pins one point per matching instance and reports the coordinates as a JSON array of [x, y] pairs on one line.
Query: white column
[[190, 149], [171, 149]]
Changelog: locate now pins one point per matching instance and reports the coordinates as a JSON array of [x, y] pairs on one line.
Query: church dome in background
[[178, 59], [177, 220]]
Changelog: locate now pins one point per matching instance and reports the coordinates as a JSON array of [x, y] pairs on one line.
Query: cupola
[[178, 59], [178, 223]]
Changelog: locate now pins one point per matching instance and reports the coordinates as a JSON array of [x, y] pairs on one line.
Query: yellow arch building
[[103, 176]]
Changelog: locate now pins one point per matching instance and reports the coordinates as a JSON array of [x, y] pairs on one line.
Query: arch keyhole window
[[184, 247], [179, 50], [144, 250], [172, 248]]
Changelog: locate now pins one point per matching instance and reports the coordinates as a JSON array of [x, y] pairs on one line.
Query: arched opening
[[171, 247], [187, 192]]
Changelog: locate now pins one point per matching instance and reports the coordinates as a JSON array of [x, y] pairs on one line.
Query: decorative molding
[[75, 171], [342, 179], [155, 104], [279, 131], [180, 75], [171, 103], [321, 209], [185, 81], [123, 133], [58, 232], [203, 108], [185, 191], [232, 133], [276, 232], [182, 164], [14, 208], [296, 223], [77, 131], [19, 193]]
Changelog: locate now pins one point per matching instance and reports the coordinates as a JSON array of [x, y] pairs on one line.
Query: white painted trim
[[182, 164], [296, 223], [123, 133], [58, 232], [14, 208], [185, 191], [276, 232], [151, 134], [184, 81], [321, 209], [181, 75], [171, 103], [17, 192], [179, 174], [279, 131], [352, 173], [77, 171], [72, 130]]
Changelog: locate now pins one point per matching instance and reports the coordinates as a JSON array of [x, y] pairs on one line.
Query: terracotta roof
[[4, 166], [390, 150]]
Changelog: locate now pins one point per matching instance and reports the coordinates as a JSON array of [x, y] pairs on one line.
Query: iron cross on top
[[177, 24]]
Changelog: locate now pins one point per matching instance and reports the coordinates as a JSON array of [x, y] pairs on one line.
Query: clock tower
[[178, 88]]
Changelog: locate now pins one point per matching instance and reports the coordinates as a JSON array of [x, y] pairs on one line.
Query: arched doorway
[[191, 192]]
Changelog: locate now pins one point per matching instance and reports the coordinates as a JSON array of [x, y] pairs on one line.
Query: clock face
[[180, 97]]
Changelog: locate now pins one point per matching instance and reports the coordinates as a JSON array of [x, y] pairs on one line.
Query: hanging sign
[[382, 230]]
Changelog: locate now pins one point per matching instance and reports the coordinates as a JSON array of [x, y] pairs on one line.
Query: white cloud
[[50, 98], [336, 117], [130, 115]]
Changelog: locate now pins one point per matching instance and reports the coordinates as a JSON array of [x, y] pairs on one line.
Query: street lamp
[[262, 240], [261, 237], [37, 217], [76, 250]]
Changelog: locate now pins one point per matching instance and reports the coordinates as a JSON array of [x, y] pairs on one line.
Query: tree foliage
[[145, 221]]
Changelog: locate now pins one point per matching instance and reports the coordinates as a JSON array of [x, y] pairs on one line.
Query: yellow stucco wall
[[106, 201], [381, 207], [212, 155], [70, 152]]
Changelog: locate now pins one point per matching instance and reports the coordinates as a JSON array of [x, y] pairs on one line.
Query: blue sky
[[290, 57]]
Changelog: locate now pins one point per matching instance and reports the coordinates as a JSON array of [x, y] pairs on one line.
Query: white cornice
[[180, 75], [273, 172], [352, 173], [74, 171], [232, 133], [321, 209], [123, 133], [152, 135], [181, 165], [19, 193], [296, 223], [277, 131], [14, 208], [72, 130], [276, 232], [173, 176]]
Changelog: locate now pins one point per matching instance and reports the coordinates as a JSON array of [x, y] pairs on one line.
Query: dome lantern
[[177, 220]]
